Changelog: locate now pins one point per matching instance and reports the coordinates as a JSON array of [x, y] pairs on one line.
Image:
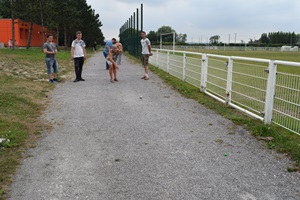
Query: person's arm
[[72, 53], [149, 48], [49, 52], [84, 52]]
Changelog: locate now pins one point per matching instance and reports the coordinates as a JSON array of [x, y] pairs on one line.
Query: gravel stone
[[109, 144]]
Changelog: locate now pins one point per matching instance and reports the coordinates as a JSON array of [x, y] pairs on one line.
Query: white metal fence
[[251, 85]]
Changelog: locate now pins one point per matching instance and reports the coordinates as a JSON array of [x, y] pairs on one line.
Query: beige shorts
[[145, 59]]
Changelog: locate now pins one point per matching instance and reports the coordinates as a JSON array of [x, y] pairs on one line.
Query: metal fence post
[[229, 80], [204, 72], [168, 62], [270, 92], [157, 58], [184, 66]]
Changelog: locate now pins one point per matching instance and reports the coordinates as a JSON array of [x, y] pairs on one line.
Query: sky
[[232, 20]]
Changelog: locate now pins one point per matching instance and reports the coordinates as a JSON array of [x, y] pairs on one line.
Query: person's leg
[[120, 59], [55, 70], [105, 54], [48, 65], [81, 68], [111, 72], [76, 63], [115, 72], [145, 64]]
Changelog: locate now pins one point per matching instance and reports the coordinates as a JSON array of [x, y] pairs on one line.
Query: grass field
[[271, 55], [24, 90]]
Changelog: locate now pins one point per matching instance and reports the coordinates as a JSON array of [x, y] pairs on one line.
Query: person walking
[[110, 60], [49, 48], [107, 48], [146, 53], [95, 47], [119, 52], [78, 54]]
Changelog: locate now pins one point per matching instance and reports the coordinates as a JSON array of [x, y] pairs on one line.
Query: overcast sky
[[233, 20]]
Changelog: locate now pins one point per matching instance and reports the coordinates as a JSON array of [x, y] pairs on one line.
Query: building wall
[[22, 33]]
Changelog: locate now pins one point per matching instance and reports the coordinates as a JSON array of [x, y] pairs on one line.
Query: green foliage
[[280, 38], [64, 17]]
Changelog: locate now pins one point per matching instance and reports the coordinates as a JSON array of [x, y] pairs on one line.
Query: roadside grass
[[24, 91], [283, 141]]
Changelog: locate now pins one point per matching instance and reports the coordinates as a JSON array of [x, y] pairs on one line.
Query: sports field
[[272, 55]]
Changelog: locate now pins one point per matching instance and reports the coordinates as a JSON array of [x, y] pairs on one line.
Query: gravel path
[[108, 144]]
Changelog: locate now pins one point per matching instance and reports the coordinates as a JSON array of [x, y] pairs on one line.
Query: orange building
[[22, 33]]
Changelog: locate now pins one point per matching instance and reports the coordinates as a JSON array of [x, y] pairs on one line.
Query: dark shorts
[[145, 59]]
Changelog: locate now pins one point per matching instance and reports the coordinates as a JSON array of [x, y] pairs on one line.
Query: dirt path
[[107, 143]]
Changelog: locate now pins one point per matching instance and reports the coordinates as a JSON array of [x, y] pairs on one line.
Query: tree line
[[154, 36], [280, 38], [267, 39], [63, 18]]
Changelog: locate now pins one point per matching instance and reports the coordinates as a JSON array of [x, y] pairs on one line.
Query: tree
[[264, 38], [181, 38], [152, 36], [66, 16], [214, 39], [166, 29]]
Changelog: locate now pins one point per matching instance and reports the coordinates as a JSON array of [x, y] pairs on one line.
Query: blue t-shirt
[[108, 43]]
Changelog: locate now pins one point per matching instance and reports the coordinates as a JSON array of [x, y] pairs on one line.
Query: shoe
[[50, 81], [112, 81], [116, 80], [76, 80], [143, 77], [81, 79], [56, 80], [146, 78]]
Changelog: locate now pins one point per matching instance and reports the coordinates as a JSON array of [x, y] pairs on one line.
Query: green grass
[[23, 97], [283, 141]]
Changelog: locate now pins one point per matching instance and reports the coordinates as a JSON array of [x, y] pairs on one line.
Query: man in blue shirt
[[107, 48]]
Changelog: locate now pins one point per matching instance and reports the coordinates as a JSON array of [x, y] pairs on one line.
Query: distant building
[[21, 33]]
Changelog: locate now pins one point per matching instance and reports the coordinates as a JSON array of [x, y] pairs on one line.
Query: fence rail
[[251, 85]]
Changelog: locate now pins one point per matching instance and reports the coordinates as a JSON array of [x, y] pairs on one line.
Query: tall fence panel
[[130, 33], [251, 85]]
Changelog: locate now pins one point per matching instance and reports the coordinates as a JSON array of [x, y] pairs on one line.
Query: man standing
[[49, 48], [120, 51], [107, 48], [78, 54], [146, 52]]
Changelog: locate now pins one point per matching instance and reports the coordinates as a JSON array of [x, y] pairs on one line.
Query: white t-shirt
[[78, 46], [145, 43]]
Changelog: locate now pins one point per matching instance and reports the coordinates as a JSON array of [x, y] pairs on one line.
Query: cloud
[[202, 18]]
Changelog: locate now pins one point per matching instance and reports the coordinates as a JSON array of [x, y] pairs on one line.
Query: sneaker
[[112, 81], [143, 77], [56, 80], [76, 80], [116, 80], [81, 79], [50, 81], [146, 78]]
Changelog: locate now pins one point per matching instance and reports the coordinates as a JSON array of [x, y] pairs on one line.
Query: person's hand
[[151, 54]]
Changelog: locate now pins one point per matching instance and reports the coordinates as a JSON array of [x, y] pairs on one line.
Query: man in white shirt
[[78, 54], [146, 52]]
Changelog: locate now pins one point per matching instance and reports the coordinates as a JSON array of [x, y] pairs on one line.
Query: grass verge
[[24, 91], [276, 138]]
